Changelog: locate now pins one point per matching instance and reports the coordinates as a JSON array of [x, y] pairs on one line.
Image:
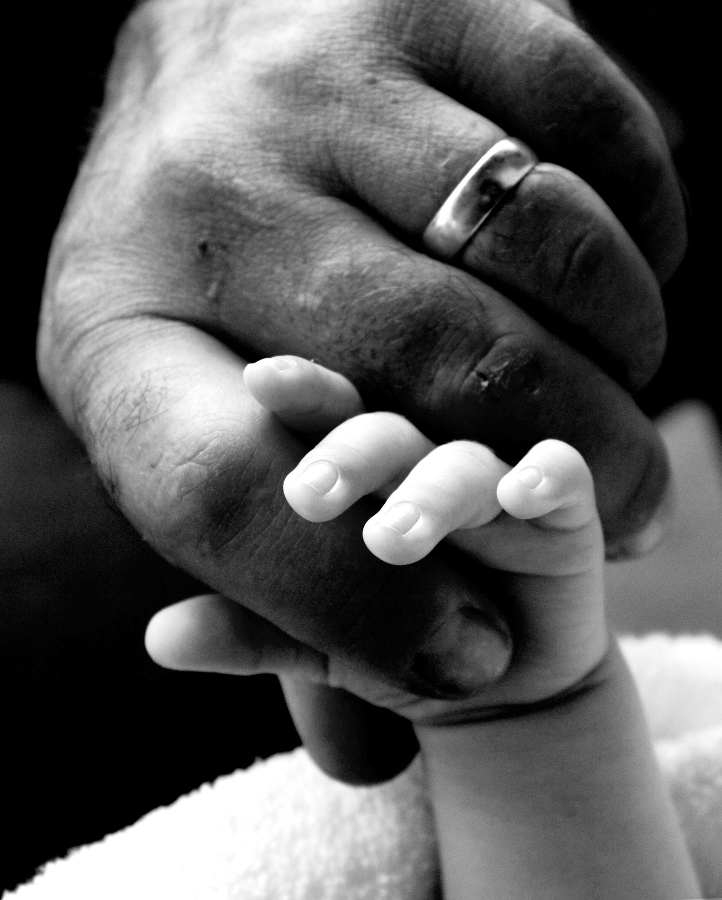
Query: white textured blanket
[[283, 831]]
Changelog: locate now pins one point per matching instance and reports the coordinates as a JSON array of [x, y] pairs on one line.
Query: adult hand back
[[258, 183]]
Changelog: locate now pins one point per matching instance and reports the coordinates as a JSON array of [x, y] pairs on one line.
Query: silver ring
[[476, 196]]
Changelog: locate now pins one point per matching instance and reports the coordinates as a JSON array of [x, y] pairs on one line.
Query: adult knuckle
[[437, 336], [196, 225], [306, 73], [616, 114], [511, 369], [489, 372], [210, 499], [309, 66], [188, 188], [334, 88], [572, 74], [71, 340], [566, 62], [412, 342], [195, 220], [350, 310]]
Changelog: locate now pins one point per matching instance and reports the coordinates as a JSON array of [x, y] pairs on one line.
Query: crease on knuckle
[[582, 259], [434, 331], [214, 498]]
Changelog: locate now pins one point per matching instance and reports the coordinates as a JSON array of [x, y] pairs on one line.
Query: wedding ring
[[476, 196]]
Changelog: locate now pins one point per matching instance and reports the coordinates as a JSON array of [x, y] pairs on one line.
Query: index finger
[[197, 465]]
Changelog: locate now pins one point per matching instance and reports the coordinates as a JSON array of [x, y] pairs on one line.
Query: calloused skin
[[257, 183], [560, 730]]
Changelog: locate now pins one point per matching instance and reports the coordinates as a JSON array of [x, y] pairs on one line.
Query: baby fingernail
[[320, 477], [282, 363], [531, 476], [400, 518]]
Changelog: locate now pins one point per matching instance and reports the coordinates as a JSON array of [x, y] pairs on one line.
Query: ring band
[[475, 197]]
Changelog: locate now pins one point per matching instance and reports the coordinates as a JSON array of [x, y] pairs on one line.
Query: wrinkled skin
[[257, 184]]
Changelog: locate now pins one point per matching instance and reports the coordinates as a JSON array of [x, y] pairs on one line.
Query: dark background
[[94, 734]]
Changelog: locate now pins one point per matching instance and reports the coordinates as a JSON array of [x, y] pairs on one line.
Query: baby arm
[[546, 785], [564, 800], [553, 791]]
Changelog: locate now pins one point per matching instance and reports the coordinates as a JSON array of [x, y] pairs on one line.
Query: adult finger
[[551, 85], [558, 250], [197, 466], [273, 267], [182, 212], [213, 634], [453, 355], [349, 739], [521, 65], [553, 245]]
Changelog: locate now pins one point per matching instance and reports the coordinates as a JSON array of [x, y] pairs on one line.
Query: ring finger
[[552, 244]]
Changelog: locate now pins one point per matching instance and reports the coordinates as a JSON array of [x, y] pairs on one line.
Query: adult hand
[[257, 183]]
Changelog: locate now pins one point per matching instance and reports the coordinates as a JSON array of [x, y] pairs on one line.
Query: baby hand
[[532, 529]]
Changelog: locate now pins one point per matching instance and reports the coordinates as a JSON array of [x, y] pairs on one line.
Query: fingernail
[[531, 476], [470, 652], [401, 518], [647, 538], [639, 544], [320, 477], [282, 363]]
